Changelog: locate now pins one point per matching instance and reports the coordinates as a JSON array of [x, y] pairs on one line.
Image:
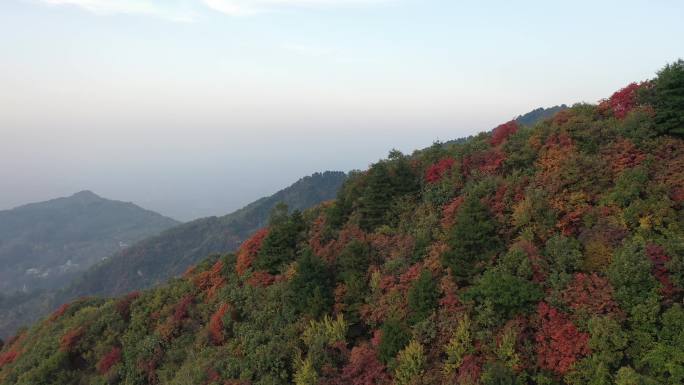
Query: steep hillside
[[43, 245], [551, 254]]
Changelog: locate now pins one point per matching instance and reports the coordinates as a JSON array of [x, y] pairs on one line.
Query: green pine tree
[[377, 197], [311, 287], [395, 336], [473, 240], [667, 97], [422, 297], [280, 245]]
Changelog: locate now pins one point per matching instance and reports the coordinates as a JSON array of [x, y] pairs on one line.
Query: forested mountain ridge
[[157, 258], [169, 254], [43, 245], [533, 117], [551, 254]]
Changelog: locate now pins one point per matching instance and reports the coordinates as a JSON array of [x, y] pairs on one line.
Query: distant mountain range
[[44, 245], [535, 116], [529, 119], [121, 264], [169, 254]]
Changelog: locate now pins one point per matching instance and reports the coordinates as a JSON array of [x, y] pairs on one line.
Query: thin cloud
[[187, 10], [180, 11], [250, 7]]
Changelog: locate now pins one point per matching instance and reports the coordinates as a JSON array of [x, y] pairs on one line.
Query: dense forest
[[551, 254]]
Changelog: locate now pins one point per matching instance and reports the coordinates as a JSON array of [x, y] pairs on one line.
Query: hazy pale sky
[[196, 107]]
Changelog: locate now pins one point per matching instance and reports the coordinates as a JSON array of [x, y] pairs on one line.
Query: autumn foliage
[[437, 171], [216, 324], [110, 359], [59, 312], [622, 101], [71, 338], [211, 280], [590, 294], [181, 309], [123, 305], [8, 357], [12, 350], [364, 368], [261, 279], [623, 154], [486, 162], [249, 250], [559, 343], [449, 211], [470, 370], [502, 132], [660, 259]]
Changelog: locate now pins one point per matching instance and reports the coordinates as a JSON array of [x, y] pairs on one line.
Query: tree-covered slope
[[43, 245], [551, 254]]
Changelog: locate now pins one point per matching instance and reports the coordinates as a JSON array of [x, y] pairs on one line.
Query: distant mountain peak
[[86, 194]]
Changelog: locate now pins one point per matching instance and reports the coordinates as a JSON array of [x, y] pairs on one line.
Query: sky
[[196, 107]]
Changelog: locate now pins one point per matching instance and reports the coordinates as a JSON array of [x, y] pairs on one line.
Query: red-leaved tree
[[123, 306], [622, 101], [216, 324], [437, 171], [623, 154], [70, 339], [8, 357], [364, 368], [469, 371], [449, 211], [590, 294], [249, 251], [659, 258], [558, 342], [13, 349], [108, 360], [261, 279], [502, 132], [181, 309], [211, 280], [59, 312], [485, 162]]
